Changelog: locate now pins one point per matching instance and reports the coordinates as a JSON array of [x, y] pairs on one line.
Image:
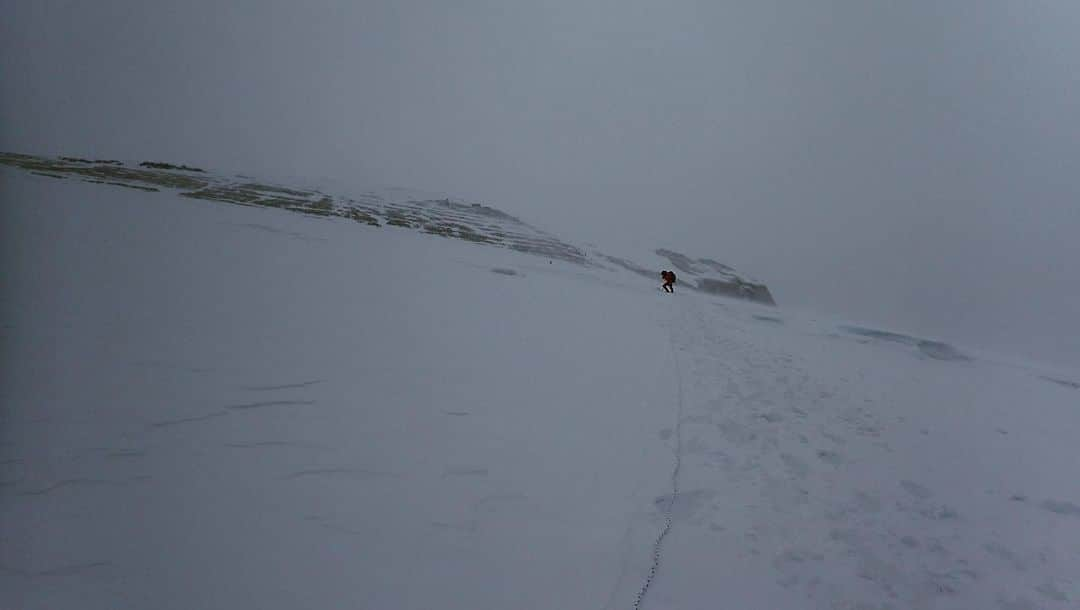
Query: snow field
[[206, 406]]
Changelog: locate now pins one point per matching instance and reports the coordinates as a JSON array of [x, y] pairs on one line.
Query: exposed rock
[[738, 289], [157, 165], [717, 278]]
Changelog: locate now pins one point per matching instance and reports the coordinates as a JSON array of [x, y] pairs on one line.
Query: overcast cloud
[[915, 164]]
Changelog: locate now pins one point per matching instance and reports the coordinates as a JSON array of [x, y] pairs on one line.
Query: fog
[[915, 164]]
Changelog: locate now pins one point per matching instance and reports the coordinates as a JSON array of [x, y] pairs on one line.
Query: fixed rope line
[[658, 545]]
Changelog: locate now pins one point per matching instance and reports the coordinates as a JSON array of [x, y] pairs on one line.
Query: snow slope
[[396, 207], [213, 406]]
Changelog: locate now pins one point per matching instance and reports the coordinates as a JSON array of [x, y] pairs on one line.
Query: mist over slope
[[208, 406]]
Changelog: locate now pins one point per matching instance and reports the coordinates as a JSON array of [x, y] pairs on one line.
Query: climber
[[669, 281]]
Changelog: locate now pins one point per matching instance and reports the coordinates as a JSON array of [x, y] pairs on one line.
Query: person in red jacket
[[669, 281]]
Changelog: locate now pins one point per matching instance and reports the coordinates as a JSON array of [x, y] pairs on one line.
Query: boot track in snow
[[659, 544]]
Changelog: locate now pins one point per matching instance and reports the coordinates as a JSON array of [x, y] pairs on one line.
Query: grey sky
[[915, 164]]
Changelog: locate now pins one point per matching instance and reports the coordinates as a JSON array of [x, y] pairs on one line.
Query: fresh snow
[[214, 406]]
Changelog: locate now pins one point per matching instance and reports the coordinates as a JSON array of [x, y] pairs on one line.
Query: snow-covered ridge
[[444, 217]]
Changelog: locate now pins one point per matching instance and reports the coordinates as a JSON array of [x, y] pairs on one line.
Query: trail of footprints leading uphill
[[669, 505], [761, 439]]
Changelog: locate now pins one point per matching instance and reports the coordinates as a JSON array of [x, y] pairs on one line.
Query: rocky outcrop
[[442, 217], [714, 277], [737, 289]]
